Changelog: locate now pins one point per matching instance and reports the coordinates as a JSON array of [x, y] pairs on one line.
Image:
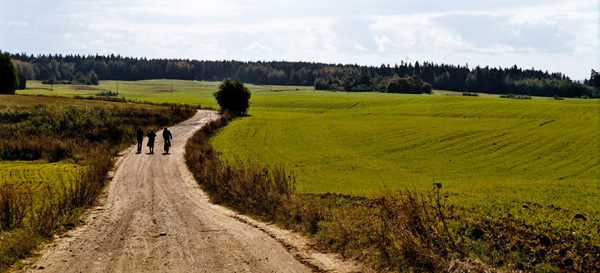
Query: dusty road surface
[[154, 217]]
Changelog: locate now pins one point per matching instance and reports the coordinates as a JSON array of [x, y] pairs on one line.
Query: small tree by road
[[233, 96]]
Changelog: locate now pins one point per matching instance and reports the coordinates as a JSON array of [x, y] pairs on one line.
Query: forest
[[399, 78]]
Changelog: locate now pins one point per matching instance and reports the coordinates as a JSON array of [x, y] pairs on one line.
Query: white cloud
[[360, 47], [381, 42], [97, 44], [208, 48], [17, 24], [256, 46]]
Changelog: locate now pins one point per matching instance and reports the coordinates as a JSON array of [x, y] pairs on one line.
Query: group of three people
[[151, 137]]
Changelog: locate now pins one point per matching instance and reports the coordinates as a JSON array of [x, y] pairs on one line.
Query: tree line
[[403, 77]]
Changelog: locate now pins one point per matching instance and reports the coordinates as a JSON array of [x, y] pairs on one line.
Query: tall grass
[[87, 135], [395, 231], [13, 204]]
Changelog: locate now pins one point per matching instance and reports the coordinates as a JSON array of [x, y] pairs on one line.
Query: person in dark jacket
[[140, 138], [167, 136], [151, 138]]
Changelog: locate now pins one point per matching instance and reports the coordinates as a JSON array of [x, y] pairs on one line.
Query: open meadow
[[535, 160]]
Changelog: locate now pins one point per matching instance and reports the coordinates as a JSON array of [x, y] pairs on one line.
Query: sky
[[548, 35]]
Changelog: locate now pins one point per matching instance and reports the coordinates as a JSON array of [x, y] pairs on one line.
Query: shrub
[[427, 89], [233, 96], [9, 80], [518, 97]]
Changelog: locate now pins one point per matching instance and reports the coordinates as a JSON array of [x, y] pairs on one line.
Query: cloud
[[256, 46], [381, 42], [491, 33], [17, 24], [360, 48]]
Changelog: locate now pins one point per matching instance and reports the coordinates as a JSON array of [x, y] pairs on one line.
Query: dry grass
[[13, 204]]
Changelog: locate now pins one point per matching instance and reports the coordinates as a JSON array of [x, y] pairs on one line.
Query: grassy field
[[537, 160], [36, 173], [39, 176]]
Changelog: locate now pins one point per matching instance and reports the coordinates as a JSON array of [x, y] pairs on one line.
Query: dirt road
[[154, 217]]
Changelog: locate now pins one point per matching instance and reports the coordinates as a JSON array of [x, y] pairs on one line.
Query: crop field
[[39, 176], [537, 160]]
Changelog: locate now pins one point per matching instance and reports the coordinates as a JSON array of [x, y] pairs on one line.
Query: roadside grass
[[55, 154]]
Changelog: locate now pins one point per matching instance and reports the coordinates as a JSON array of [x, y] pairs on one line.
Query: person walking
[[151, 138], [140, 138], [167, 136]]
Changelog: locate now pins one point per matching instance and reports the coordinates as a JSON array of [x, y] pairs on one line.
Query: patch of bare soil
[[154, 217]]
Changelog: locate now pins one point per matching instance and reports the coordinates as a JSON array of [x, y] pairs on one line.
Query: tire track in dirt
[[154, 217]]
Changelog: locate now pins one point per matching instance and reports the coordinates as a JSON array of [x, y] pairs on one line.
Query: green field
[[529, 158], [537, 160], [39, 176]]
